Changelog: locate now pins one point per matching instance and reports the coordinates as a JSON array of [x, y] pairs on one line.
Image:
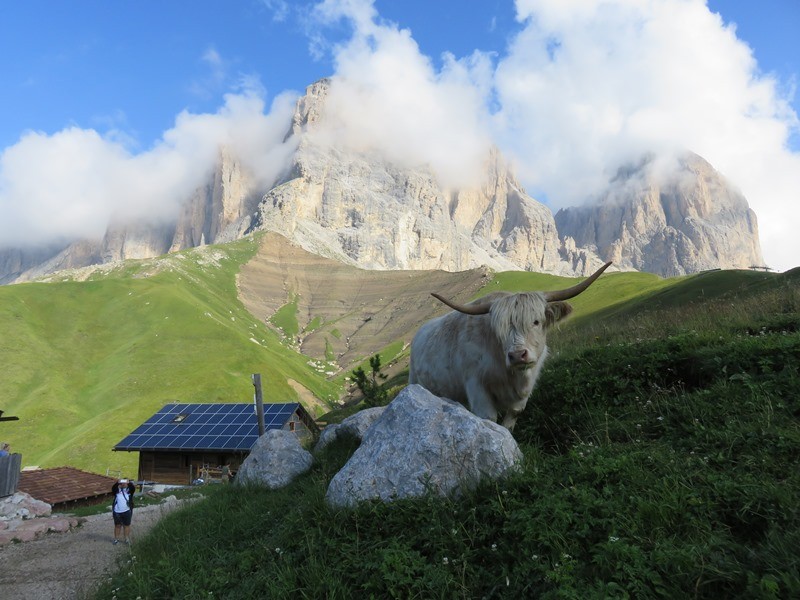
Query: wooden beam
[[259, 403]]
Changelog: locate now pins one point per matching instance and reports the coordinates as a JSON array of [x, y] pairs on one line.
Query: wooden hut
[[182, 442]]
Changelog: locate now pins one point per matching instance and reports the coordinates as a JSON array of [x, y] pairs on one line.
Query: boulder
[[355, 425], [22, 505], [275, 460], [423, 444]]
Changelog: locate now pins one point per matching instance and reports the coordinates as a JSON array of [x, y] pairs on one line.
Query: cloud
[[70, 184], [587, 86], [583, 88], [387, 97], [278, 8]]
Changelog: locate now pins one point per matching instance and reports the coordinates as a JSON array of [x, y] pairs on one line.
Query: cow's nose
[[518, 356]]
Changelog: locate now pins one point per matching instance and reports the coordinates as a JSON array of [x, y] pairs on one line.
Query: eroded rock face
[[219, 211], [423, 444], [362, 210], [686, 220], [276, 459]]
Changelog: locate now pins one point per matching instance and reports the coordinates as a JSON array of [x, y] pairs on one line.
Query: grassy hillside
[[661, 461], [85, 362], [86, 358]]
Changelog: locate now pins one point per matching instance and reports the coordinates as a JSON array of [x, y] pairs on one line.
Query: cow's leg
[[511, 415], [480, 403]]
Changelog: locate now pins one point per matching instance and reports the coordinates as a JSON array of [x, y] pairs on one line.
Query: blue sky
[[99, 80]]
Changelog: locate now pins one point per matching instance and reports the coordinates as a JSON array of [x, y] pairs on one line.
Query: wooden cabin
[[182, 442]]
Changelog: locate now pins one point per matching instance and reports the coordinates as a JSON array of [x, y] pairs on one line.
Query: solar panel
[[213, 426]]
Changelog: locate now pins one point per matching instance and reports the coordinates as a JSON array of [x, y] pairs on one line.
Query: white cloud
[[590, 84], [72, 183], [583, 87], [386, 96], [279, 9]]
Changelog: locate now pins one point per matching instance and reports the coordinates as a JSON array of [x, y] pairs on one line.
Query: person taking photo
[[122, 509]]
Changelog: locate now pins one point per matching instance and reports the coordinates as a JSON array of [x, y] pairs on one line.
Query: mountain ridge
[[356, 207]]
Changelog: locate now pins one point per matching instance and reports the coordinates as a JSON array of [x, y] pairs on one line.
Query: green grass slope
[[661, 461], [85, 362]]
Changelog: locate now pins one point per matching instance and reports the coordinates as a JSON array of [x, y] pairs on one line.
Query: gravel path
[[61, 566]]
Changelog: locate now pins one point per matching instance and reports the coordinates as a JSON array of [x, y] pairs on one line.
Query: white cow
[[488, 354]]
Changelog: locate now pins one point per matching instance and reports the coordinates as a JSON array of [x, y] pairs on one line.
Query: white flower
[[613, 539], [494, 547], [445, 561]]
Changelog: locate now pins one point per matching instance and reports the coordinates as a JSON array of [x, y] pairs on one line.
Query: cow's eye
[[536, 322]]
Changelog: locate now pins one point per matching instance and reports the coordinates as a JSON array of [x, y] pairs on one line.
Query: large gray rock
[[354, 426], [276, 459], [362, 209], [423, 444], [672, 220]]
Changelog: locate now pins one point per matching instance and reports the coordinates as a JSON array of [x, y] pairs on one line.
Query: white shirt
[[121, 502]]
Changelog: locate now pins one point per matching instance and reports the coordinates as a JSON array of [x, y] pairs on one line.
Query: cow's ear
[[556, 311]]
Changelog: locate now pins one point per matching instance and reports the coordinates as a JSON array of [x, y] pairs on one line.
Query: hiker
[[5, 449], [122, 509]]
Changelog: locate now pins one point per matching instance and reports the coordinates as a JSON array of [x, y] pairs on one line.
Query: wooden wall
[[181, 468], [9, 473]]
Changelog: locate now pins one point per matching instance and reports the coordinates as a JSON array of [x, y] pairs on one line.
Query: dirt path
[[70, 565]]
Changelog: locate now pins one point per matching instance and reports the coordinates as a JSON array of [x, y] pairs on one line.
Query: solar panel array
[[197, 427]]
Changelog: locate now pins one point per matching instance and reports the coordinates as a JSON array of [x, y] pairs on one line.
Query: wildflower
[[130, 574], [494, 547], [660, 418], [613, 539], [445, 561], [535, 557], [505, 492]]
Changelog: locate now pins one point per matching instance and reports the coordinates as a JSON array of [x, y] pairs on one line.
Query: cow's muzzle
[[520, 359]]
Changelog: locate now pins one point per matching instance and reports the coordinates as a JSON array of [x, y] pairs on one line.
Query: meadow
[[86, 361], [661, 461]]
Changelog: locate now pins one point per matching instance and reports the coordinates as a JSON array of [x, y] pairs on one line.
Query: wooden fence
[[10, 467]]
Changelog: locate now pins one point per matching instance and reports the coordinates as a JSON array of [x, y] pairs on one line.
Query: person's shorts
[[123, 518]]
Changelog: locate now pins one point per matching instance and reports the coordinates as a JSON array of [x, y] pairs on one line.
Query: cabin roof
[[64, 484], [206, 427]]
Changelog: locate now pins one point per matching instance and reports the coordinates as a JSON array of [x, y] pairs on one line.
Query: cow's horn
[[575, 289], [467, 309]]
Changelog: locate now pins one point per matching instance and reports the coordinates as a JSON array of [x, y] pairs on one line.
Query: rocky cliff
[[358, 208], [219, 211], [685, 219], [361, 209]]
